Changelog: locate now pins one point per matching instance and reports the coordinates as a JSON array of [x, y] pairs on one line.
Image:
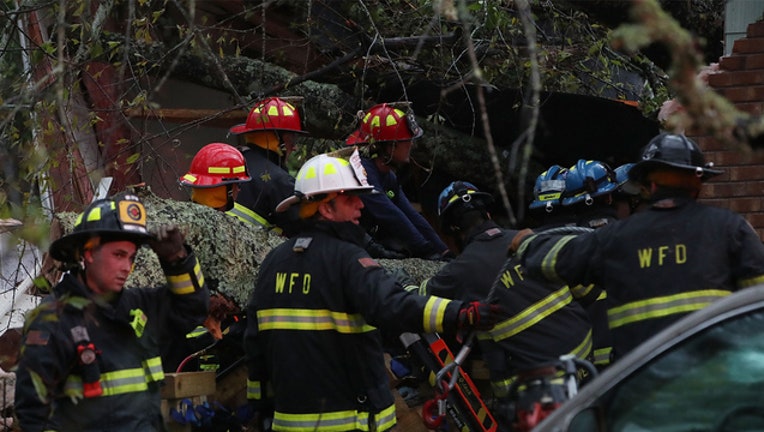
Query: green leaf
[[133, 158]]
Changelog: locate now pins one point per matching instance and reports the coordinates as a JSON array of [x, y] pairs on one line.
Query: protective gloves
[[478, 316], [168, 244]]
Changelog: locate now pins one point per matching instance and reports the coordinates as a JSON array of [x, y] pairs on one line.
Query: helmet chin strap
[[229, 197]]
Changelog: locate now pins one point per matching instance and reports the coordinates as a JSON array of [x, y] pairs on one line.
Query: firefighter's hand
[[518, 239], [168, 243], [479, 316]]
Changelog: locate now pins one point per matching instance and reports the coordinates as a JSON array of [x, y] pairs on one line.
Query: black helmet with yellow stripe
[[122, 217]]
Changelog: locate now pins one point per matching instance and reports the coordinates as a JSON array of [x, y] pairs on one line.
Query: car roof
[[737, 303]]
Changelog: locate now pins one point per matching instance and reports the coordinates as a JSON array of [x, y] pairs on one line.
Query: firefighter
[[270, 133], [313, 346], [386, 135], [626, 199], [90, 357], [659, 264], [588, 196], [540, 320], [215, 177], [463, 211]]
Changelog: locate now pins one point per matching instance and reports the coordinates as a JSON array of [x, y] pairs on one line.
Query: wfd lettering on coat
[[663, 255], [290, 281], [508, 280]]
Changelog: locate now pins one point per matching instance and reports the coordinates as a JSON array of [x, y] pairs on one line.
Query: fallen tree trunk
[[230, 251]]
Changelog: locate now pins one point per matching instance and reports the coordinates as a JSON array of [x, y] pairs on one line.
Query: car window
[[715, 374]]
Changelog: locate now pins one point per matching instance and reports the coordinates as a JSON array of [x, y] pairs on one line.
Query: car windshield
[[713, 381]]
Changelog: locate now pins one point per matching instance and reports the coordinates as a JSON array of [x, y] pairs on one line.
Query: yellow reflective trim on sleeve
[[312, 320], [658, 307], [198, 331], [585, 347], [153, 368], [550, 260], [580, 291], [532, 314], [748, 282], [184, 283], [602, 356], [254, 390], [434, 312]]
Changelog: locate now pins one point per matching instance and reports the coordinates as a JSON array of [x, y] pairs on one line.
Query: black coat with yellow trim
[[129, 365], [312, 329], [656, 266]]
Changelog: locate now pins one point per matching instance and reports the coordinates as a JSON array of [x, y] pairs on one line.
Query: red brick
[[745, 205], [754, 61], [756, 219], [746, 172], [732, 63], [734, 189], [733, 78], [709, 144], [748, 45], [752, 108], [755, 29], [735, 157], [743, 94], [714, 202]]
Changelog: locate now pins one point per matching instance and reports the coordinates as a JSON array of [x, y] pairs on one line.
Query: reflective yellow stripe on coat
[[186, 283], [658, 307], [120, 381], [311, 319], [532, 314], [337, 421], [246, 214]]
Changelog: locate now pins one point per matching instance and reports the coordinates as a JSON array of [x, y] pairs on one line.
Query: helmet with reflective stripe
[[324, 174], [672, 150], [457, 197], [216, 164], [625, 186], [119, 218], [549, 188], [586, 180], [273, 114], [385, 123], [462, 194]]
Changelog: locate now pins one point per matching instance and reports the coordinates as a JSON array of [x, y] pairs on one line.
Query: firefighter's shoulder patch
[[37, 337], [368, 262]]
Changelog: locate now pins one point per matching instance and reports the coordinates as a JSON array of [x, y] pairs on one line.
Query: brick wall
[[741, 81]]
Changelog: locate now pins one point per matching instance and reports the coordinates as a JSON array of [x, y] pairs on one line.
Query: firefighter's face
[[401, 152], [107, 266], [343, 208]]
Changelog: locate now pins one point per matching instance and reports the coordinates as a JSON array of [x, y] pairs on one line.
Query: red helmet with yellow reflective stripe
[[271, 114], [216, 164], [385, 123]]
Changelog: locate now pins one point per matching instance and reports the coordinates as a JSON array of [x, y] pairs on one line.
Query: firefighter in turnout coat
[[659, 264], [90, 357], [314, 353]]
